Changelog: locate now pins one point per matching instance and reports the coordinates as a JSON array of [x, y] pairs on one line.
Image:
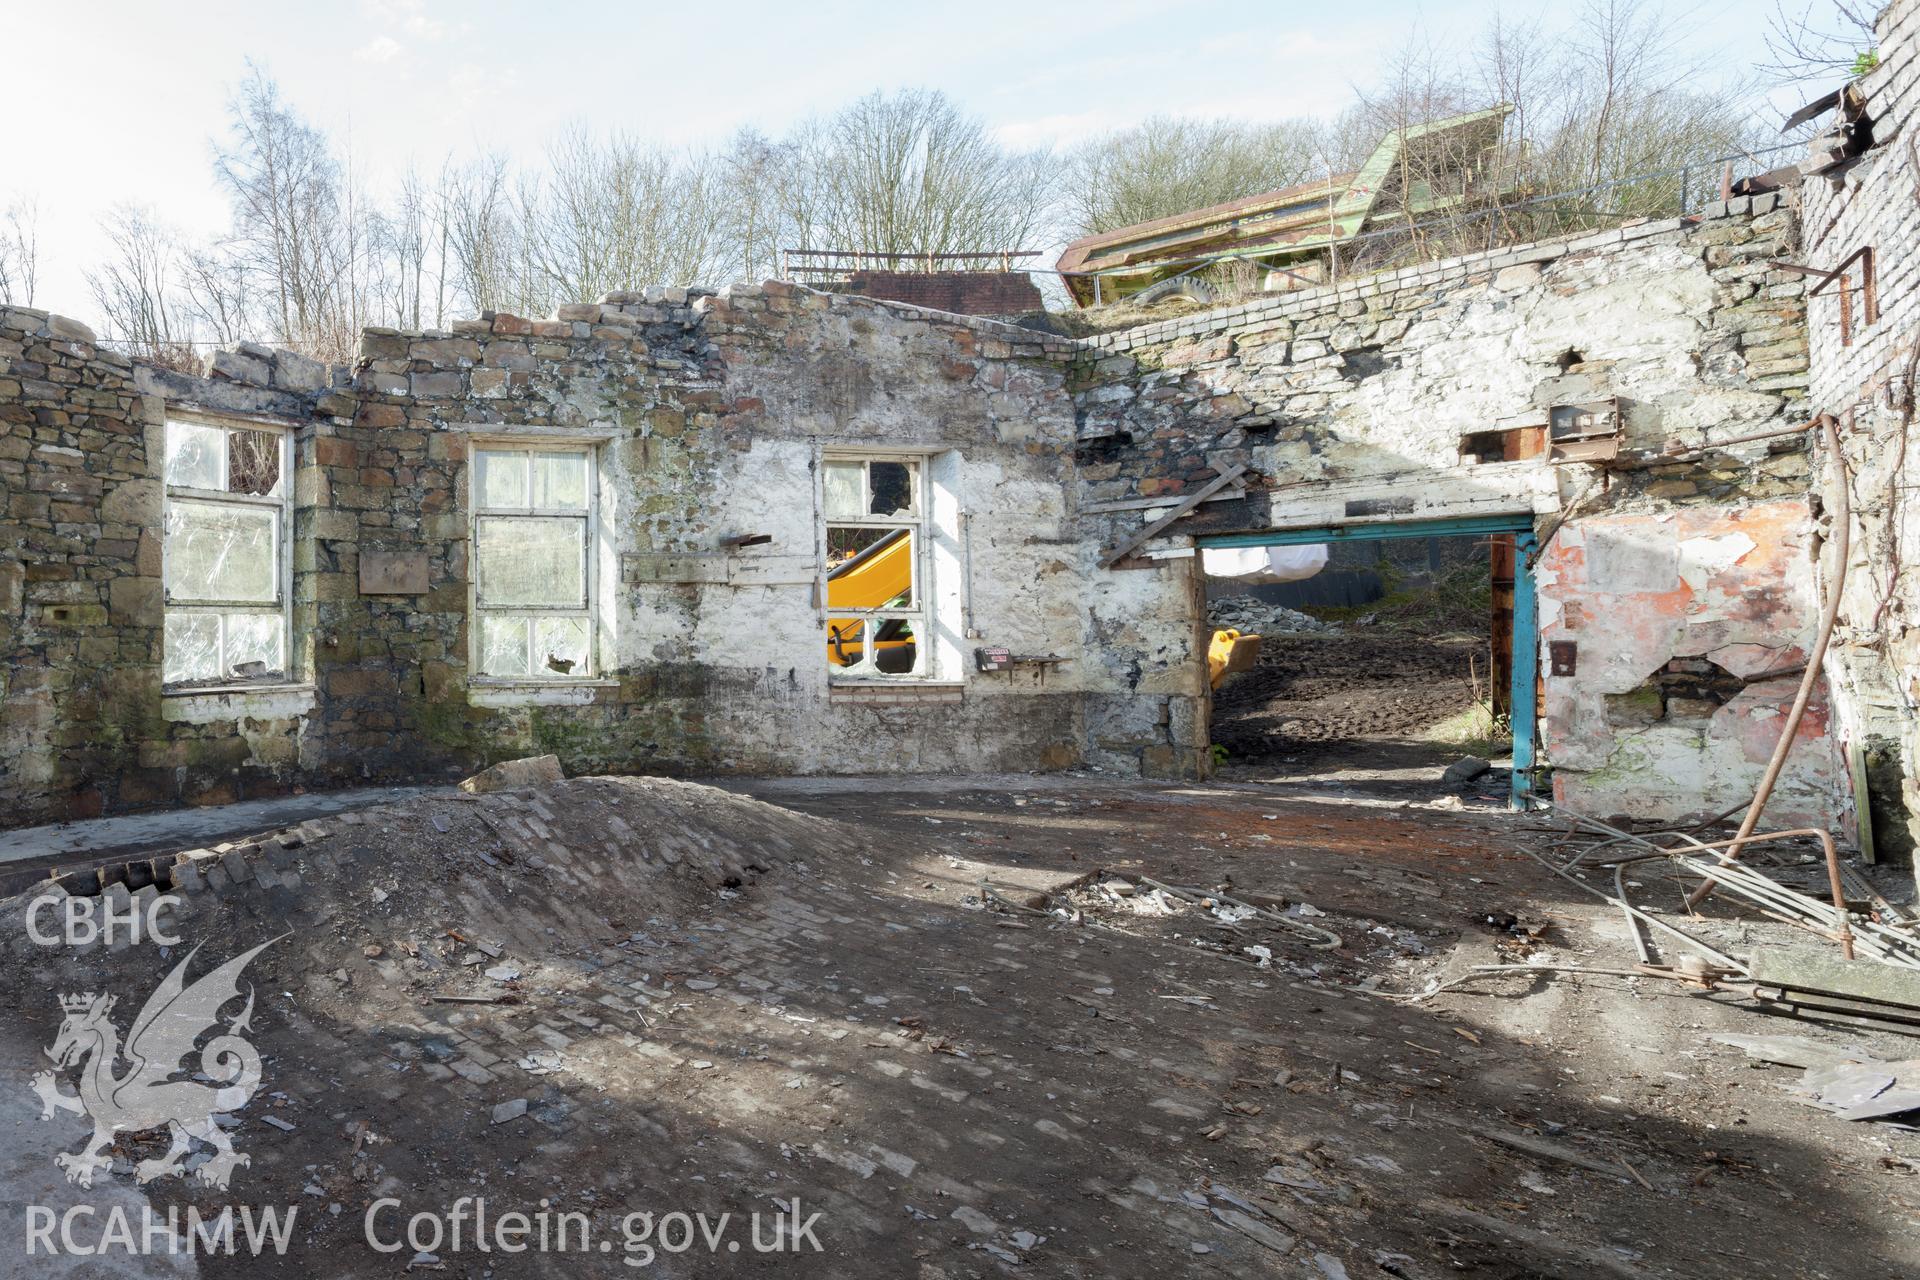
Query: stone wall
[[1410, 395], [707, 414], [80, 583], [1681, 574], [1869, 384]]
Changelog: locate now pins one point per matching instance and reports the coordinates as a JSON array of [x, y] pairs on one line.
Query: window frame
[[921, 526], [281, 504], [589, 610]]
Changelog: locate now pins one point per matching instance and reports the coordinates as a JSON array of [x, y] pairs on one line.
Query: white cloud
[[379, 49], [1059, 130], [409, 15]]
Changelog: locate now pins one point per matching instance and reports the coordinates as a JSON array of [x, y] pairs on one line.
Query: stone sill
[[897, 692], [257, 701], [540, 693]]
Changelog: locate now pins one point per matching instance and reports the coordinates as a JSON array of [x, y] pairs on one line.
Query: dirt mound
[[1311, 690], [436, 892]]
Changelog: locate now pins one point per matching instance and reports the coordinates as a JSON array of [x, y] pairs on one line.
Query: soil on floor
[[1351, 695]]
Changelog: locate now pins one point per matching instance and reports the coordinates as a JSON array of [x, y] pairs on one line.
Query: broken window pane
[[560, 481], [503, 646], [892, 486], [253, 463], [844, 644], [254, 637], [869, 568], [223, 552], [502, 480], [190, 647], [894, 649], [842, 483], [528, 561], [220, 552], [532, 562], [195, 456], [560, 647]]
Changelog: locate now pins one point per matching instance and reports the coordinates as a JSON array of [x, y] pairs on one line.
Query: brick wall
[[1869, 384], [966, 293]]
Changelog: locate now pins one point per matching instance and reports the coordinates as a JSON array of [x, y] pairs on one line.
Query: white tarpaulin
[[1264, 564]]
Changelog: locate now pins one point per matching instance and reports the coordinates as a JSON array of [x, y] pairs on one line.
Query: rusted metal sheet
[[1276, 228]]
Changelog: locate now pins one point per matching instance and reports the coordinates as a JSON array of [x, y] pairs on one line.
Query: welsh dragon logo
[[148, 1095]]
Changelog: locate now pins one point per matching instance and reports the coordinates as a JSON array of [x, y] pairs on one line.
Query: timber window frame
[[870, 499], [528, 495], [226, 564]]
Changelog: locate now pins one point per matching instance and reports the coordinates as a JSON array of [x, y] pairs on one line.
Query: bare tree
[[407, 264], [483, 232], [1168, 165], [616, 214], [217, 295], [19, 252], [1840, 41], [136, 289], [294, 228], [1603, 125], [910, 173], [759, 185]]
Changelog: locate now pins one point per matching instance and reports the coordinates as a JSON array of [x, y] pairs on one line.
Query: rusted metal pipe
[[1844, 936], [1681, 451], [1836, 579]]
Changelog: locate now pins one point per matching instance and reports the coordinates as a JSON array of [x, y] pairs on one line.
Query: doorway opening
[[1412, 645]]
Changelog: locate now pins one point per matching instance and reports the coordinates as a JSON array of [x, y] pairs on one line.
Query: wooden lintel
[[1187, 504], [1147, 504]]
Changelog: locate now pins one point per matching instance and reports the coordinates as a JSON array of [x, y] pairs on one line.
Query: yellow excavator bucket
[[1230, 651]]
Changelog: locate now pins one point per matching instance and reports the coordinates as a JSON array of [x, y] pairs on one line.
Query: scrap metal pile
[[1863, 925]]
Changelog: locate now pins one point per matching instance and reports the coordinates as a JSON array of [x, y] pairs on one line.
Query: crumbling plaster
[[1868, 383], [709, 413], [1630, 594], [1350, 404]]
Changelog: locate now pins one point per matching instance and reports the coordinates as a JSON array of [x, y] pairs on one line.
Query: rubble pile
[[531, 870], [1249, 615]]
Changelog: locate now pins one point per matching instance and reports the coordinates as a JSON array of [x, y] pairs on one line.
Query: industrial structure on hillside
[[1297, 232]]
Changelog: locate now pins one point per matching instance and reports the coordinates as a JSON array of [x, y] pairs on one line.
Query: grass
[[1460, 599], [1476, 731]]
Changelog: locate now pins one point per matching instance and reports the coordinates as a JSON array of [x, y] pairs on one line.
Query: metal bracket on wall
[[1869, 293]]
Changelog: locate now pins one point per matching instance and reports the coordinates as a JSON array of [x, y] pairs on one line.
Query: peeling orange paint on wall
[[1678, 619]]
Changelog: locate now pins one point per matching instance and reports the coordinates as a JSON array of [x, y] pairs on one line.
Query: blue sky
[[116, 99]]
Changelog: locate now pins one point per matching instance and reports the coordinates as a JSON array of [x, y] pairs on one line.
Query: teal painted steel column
[[1526, 667]]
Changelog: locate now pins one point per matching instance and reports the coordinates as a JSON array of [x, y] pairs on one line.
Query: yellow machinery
[[1230, 651], [871, 579], [883, 572]]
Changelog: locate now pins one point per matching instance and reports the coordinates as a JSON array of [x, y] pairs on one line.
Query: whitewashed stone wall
[[1869, 384], [1351, 404]]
